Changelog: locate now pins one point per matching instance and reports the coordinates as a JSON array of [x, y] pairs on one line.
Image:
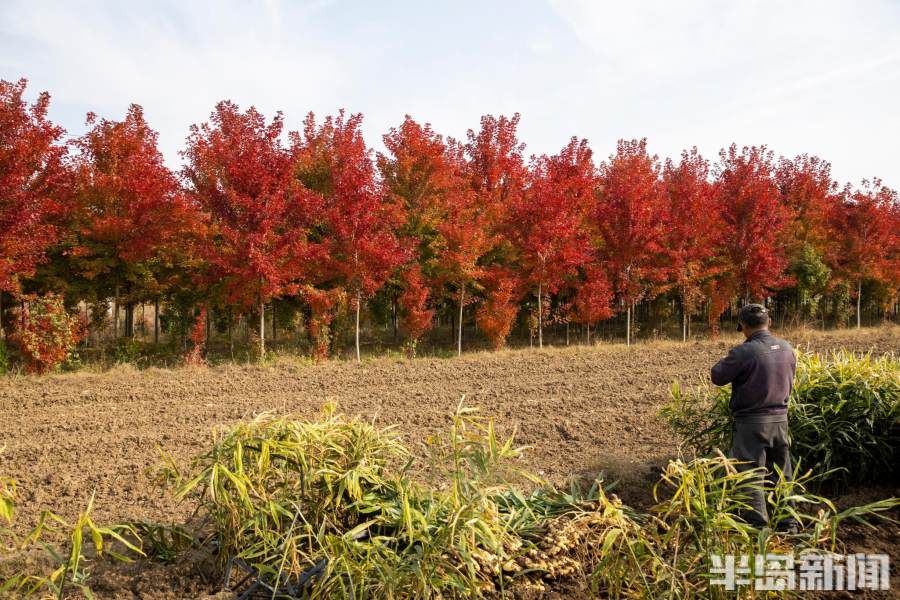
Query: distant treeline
[[322, 230]]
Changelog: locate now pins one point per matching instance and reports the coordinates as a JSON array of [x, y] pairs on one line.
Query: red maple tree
[[324, 305], [195, 356], [864, 239], [546, 225], [420, 175], [754, 223], [693, 231], [593, 298], [498, 178], [243, 178], [631, 219], [464, 234], [47, 332], [496, 314], [32, 183], [127, 210], [807, 191], [359, 218]]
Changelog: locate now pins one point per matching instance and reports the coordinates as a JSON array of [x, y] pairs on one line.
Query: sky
[[821, 77]]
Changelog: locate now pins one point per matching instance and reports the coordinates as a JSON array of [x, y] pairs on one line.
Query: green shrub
[[698, 515], [62, 569], [86, 540], [284, 494], [338, 497], [7, 498], [844, 416], [4, 358], [127, 351]]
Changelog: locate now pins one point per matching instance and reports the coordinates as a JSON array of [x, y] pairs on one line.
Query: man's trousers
[[763, 442]]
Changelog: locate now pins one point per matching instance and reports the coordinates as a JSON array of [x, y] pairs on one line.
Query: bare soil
[[583, 410]]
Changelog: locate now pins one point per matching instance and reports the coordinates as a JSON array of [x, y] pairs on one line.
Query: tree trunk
[[274, 327], [86, 340], [129, 320], [589, 334], [208, 327], [540, 318], [567, 333], [143, 321], [116, 315], [628, 325], [262, 329], [358, 303], [859, 303], [231, 333], [462, 296], [2, 331], [684, 322], [156, 321], [394, 316]]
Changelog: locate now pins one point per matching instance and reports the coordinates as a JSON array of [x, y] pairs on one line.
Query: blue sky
[[801, 76]]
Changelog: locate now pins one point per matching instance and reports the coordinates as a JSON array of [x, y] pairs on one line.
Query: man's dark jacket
[[760, 371]]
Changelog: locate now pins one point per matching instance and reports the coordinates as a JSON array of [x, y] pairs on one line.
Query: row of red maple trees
[[257, 214]]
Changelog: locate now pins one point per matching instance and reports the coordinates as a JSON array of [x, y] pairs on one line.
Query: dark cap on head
[[753, 315]]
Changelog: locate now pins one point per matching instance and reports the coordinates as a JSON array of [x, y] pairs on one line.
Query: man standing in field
[[761, 374]]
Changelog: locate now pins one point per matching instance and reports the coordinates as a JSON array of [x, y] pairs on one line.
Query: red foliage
[[466, 237], [496, 167], [127, 209], [416, 316], [243, 178], [498, 178], [426, 177], [47, 333], [807, 190], [864, 240], [360, 245], [198, 338], [497, 313], [594, 297], [418, 176], [546, 224], [631, 219], [323, 305], [719, 299], [261, 219], [32, 182], [754, 223], [693, 232]]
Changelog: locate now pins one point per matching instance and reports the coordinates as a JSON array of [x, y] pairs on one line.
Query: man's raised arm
[[726, 370]]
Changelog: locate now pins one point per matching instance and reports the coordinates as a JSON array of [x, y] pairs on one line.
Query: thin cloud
[[801, 76]]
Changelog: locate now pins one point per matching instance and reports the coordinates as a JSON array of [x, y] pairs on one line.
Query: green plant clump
[[4, 357], [69, 564], [844, 415], [334, 509]]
